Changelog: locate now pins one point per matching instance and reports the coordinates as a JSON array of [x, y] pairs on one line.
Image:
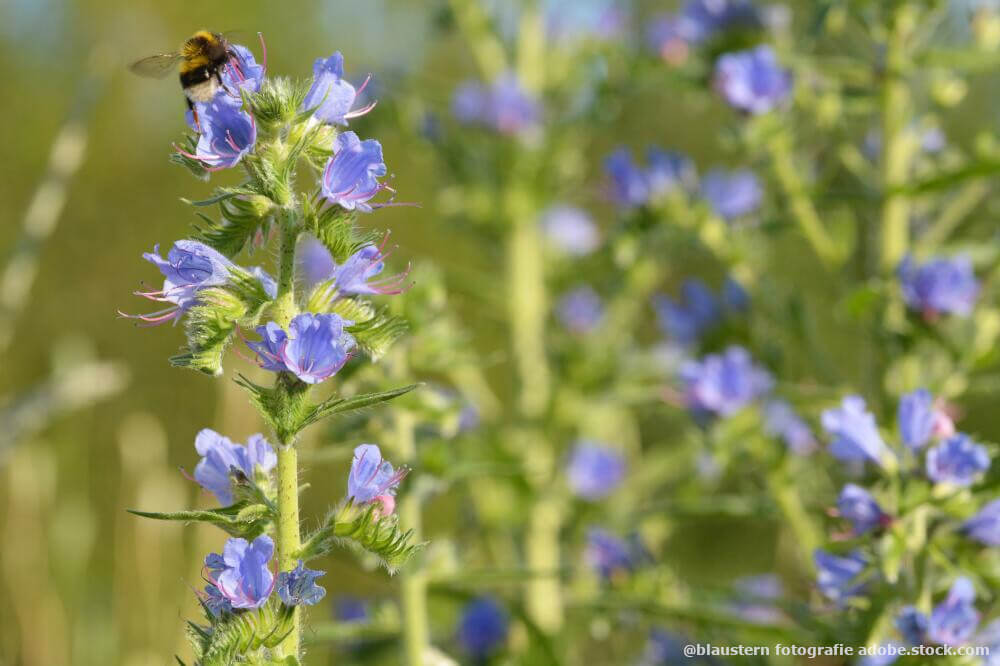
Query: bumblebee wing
[[156, 66]]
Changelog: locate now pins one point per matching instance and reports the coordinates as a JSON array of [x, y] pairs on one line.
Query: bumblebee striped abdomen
[[204, 56]]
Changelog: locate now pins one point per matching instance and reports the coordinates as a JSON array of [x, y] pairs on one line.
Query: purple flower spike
[[985, 525], [940, 286], [351, 176], [228, 133], [855, 434], [732, 194], [355, 276], [753, 81], [190, 266], [916, 418], [373, 479], [859, 507], [241, 573], [837, 576], [331, 95], [220, 455], [595, 471], [723, 384], [957, 460], [953, 621], [242, 71], [482, 628], [298, 587]]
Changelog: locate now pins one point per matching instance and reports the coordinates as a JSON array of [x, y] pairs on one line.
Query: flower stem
[[414, 578]]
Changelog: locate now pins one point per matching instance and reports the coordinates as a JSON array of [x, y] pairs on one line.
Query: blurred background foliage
[[82, 581]]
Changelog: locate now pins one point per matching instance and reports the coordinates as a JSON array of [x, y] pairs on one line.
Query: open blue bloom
[[315, 347], [629, 185], [855, 434], [570, 230], [723, 384], [954, 621], [219, 456], [331, 96], [241, 573], [315, 263], [482, 627], [350, 179], [372, 479], [732, 194], [753, 80], [228, 132], [505, 106], [686, 319], [859, 507], [190, 266], [780, 420], [957, 460], [985, 525], [607, 554], [580, 310], [916, 418], [940, 286], [912, 625], [242, 71], [298, 587], [666, 170], [357, 274], [837, 576], [594, 470]]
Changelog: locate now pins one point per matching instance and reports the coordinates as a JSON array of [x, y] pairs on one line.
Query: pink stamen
[[263, 51], [357, 113]]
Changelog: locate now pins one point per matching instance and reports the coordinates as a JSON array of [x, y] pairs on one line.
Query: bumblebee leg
[[194, 114]]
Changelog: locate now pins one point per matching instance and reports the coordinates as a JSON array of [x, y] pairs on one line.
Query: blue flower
[[482, 628], [723, 384], [667, 170], [855, 434], [686, 319], [753, 80], [912, 625], [954, 620], [356, 275], [505, 106], [608, 555], [732, 194], [595, 471], [351, 609], [916, 418], [940, 286], [298, 587], [580, 310], [577, 20], [665, 36], [372, 479], [242, 71], [859, 507], [190, 266], [780, 420], [985, 525], [241, 573], [330, 95], [957, 460], [629, 185], [220, 456], [228, 133], [315, 263], [351, 176], [215, 602], [701, 20], [314, 348], [990, 638], [837, 576], [735, 296], [267, 281], [570, 230]]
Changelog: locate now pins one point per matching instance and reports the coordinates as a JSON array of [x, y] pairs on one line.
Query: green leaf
[[335, 228], [334, 406], [244, 216], [197, 169], [947, 179], [241, 519]]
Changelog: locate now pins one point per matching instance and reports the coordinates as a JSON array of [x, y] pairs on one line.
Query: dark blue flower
[[505, 106], [220, 456], [957, 460], [215, 602], [330, 95], [227, 132], [954, 620], [916, 418], [594, 470], [607, 554], [985, 525], [571, 230], [855, 434], [859, 507], [350, 179], [753, 81], [912, 625], [357, 274], [723, 384], [241, 573], [837, 577], [732, 194], [735, 296], [298, 587], [372, 479], [686, 319], [780, 420], [315, 347], [580, 310], [482, 627], [242, 71], [666, 170], [190, 266], [351, 609], [940, 286], [629, 185]]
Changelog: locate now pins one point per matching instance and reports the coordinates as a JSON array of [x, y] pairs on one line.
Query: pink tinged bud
[[387, 505], [943, 425]]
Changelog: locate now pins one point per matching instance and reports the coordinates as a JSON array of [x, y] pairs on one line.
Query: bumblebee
[[200, 61]]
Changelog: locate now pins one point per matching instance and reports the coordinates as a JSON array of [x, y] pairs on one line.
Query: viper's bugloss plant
[[274, 128]]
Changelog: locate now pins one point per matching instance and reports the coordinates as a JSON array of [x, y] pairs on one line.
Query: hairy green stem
[[416, 633]]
